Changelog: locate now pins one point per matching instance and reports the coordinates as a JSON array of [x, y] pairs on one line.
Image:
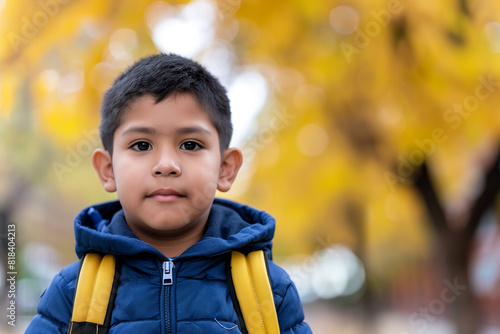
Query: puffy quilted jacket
[[198, 301]]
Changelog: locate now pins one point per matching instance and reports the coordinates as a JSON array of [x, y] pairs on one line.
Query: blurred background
[[370, 131]]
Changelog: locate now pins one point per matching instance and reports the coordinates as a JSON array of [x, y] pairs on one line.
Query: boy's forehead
[[152, 101], [182, 104]]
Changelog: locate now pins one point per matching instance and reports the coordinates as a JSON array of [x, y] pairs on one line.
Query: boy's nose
[[166, 166]]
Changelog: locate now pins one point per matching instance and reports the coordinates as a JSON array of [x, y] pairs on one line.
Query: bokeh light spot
[[344, 19], [312, 140]]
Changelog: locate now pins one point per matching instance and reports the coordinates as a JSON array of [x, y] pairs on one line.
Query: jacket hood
[[230, 226]]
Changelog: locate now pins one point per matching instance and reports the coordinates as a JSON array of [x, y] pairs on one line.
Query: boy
[[166, 128]]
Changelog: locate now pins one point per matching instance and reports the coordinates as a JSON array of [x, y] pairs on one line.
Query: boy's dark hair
[[161, 76]]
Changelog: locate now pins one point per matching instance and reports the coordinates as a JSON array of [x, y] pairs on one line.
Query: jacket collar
[[102, 228]]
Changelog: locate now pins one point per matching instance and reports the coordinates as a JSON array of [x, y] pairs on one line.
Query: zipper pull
[[168, 277]]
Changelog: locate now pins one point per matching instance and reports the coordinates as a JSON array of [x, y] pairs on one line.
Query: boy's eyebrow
[[178, 132], [140, 130], [192, 129]]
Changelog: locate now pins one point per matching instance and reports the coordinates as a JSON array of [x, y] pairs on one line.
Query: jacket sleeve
[[56, 304], [288, 304]]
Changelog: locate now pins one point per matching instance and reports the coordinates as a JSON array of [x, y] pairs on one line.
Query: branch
[[425, 187], [487, 197], [464, 8]]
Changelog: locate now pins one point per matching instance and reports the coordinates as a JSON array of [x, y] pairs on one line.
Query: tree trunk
[[462, 307], [458, 301]]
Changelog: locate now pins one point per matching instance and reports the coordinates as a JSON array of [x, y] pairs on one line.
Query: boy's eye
[[141, 146], [190, 146]]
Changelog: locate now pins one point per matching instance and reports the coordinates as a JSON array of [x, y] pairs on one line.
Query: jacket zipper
[[168, 280]]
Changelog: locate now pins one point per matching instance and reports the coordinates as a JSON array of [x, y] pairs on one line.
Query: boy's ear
[[101, 159], [232, 158]]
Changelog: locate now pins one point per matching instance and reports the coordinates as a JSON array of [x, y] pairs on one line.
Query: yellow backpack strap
[[253, 292], [94, 295]]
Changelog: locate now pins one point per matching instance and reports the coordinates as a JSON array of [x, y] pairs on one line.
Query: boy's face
[[166, 166]]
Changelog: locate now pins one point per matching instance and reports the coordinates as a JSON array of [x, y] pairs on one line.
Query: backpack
[[248, 283]]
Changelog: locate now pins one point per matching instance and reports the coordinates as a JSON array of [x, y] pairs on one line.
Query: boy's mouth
[[165, 195]]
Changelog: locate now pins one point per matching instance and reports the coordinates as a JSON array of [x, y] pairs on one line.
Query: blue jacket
[[198, 301]]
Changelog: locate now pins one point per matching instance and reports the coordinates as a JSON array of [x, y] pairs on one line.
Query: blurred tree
[[392, 84], [455, 244]]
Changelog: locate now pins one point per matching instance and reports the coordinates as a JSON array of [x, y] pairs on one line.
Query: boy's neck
[[172, 246]]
